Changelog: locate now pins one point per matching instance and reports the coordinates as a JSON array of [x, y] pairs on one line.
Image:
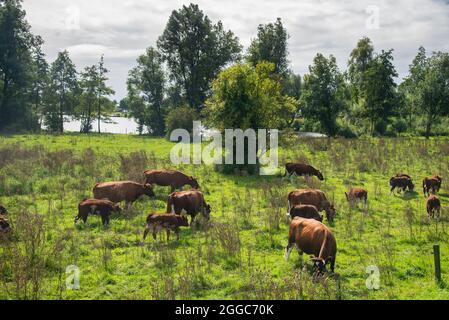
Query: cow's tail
[[323, 247]]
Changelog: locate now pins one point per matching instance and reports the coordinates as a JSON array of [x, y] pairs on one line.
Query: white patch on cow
[[183, 212], [172, 208]]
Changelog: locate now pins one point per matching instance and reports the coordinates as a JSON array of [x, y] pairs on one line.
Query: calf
[[305, 211], [313, 197], [302, 169], [3, 210], [173, 178], [119, 191], [431, 184], [401, 183], [357, 194], [101, 207], [167, 221], [314, 238], [433, 206], [190, 201]]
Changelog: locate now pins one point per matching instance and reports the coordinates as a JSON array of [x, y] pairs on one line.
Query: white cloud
[[123, 29]]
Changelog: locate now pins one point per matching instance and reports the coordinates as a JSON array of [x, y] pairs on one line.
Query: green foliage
[[324, 94], [62, 92], [195, 50], [378, 88], [17, 45], [427, 87], [181, 118], [270, 45], [146, 82], [249, 97]]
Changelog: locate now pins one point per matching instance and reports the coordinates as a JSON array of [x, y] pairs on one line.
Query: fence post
[[436, 258]]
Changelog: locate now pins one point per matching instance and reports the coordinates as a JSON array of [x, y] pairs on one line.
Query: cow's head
[[330, 212], [3, 210], [184, 222], [116, 207], [194, 183], [320, 176], [206, 211], [319, 264], [411, 186], [148, 190]]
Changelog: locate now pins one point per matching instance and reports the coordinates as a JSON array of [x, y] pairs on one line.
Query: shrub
[[180, 118]]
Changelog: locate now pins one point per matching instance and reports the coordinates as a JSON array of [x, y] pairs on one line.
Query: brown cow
[[3, 210], [167, 221], [431, 184], [314, 238], [357, 194], [302, 169], [191, 201], [173, 178], [119, 191], [305, 211], [433, 206], [101, 207], [401, 182], [313, 197]]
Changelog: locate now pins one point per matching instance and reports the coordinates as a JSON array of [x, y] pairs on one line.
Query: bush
[[347, 132], [399, 125], [181, 118]]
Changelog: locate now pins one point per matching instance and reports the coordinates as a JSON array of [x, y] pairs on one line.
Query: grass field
[[241, 253]]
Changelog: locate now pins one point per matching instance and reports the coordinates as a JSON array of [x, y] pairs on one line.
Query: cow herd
[[307, 231]]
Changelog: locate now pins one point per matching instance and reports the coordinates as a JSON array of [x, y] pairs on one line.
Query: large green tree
[[62, 92], [378, 91], [147, 81], [428, 87], [16, 46], [88, 98], [245, 97], [195, 50], [104, 104], [324, 95], [270, 45], [360, 59]]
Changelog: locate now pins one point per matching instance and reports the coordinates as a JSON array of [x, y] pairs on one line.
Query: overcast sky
[[122, 29]]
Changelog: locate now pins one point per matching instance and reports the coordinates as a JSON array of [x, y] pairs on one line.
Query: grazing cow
[[431, 184], [305, 211], [357, 194], [101, 207], [191, 201], [3, 210], [173, 178], [433, 206], [302, 169], [167, 221], [313, 197], [313, 238], [119, 191], [401, 183]]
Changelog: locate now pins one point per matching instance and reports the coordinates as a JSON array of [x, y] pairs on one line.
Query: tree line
[[198, 70]]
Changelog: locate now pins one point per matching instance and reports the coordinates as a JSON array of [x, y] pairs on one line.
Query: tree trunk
[[428, 128]]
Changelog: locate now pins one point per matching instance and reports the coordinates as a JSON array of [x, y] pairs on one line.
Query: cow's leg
[[288, 250], [145, 232], [168, 234], [177, 233], [391, 190]]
